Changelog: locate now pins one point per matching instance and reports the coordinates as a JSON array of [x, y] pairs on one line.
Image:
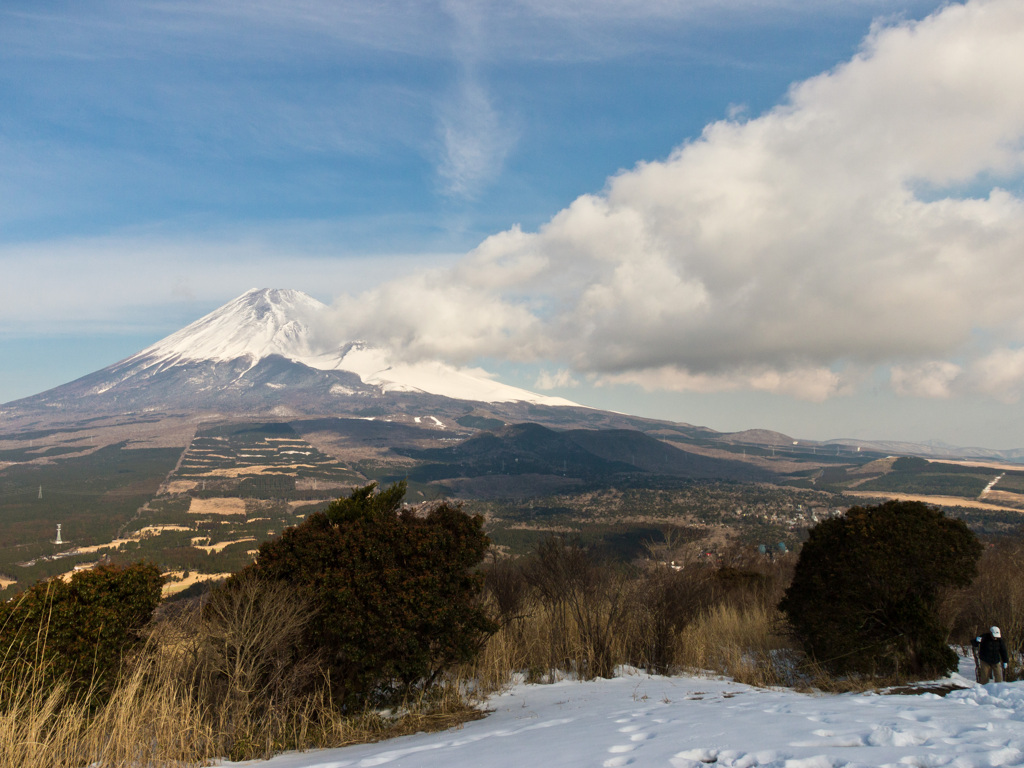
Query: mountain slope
[[653, 456], [520, 449], [586, 454]]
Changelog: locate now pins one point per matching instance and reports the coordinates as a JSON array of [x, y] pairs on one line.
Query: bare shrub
[[507, 586], [586, 602], [662, 602], [247, 668], [995, 598], [582, 616]]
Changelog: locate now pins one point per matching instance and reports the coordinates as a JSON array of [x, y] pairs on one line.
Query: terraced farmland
[[257, 461]]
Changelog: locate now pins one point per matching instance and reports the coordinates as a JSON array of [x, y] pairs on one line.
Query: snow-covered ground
[[690, 722]]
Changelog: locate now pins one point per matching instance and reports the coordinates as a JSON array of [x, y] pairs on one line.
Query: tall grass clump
[[78, 685], [190, 695], [744, 642]]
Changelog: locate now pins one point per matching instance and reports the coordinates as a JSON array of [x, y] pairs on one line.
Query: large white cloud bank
[[866, 224]]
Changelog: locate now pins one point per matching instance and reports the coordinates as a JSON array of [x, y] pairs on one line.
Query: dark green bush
[[393, 594], [866, 591], [80, 630]]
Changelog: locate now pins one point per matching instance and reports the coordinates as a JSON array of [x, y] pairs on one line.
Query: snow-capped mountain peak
[[259, 323]]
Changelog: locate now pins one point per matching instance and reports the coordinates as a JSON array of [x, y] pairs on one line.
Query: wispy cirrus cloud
[[475, 137]]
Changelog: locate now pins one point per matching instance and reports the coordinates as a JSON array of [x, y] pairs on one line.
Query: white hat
[[995, 632]]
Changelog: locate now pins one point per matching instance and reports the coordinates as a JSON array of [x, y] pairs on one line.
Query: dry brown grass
[[154, 720], [939, 501], [560, 614], [744, 643], [737, 637], [217, 506], [147, 721], [208, 684]]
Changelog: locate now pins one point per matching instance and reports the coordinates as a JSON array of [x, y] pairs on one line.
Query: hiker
[[990, 655]]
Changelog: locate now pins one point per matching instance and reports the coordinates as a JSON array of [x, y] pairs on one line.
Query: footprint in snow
[[617, 762], [884, 736], [694, 758], [917, 717]]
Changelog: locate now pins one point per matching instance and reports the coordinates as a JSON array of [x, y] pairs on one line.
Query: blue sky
[[803, 216]]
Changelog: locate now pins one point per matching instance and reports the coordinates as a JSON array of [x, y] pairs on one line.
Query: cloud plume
[[867, 222]]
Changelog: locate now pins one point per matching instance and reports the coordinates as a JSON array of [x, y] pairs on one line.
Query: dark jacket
[[990, 650]]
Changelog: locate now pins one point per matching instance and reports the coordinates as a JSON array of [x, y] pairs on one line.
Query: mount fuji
[[261, 353]]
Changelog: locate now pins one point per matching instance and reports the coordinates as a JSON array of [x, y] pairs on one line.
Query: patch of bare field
[[223, 506], [156, 530], [1015, 500], [862, 480], [143, 533], [169, 432], [178, 486], [293, 505], [47, 460], [942, 501], [7, 581], [220, 545], [254, 469], [319, 484], [115, 544], [66, 576], [177, 582], [982, 464]]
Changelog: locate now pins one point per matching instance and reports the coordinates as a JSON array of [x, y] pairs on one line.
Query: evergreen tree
[[865, 593], [395, 594], [79, 631]]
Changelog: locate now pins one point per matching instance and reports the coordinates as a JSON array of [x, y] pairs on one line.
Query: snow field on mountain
[[692, 722]]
